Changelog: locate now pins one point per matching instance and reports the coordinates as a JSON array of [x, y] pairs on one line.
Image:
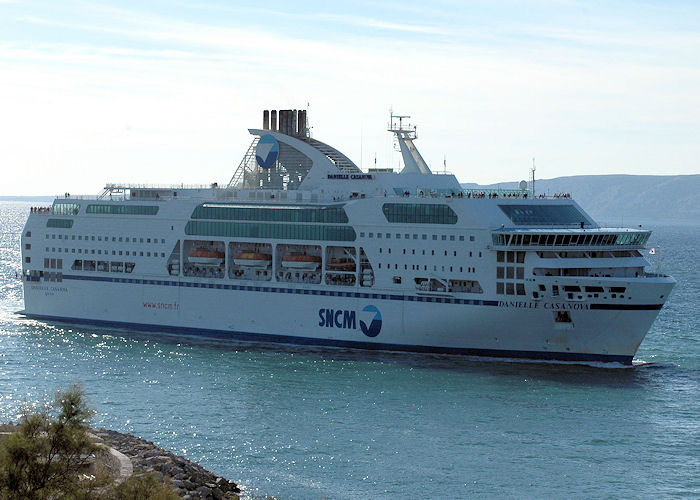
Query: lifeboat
[[252, 259], [206, 257], [342, 264], [301, 261]]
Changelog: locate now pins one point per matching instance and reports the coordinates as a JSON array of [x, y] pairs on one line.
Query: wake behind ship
[[303, 247]]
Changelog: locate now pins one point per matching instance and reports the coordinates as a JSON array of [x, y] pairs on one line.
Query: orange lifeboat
[[295, 260], [342, 264], [252, 259], [206, 257]]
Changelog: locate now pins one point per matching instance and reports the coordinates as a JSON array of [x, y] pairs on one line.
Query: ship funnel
[[287, 121]]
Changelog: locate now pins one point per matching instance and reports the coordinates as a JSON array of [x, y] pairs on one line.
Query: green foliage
[[47, 455], [43, 457], [146, 487]]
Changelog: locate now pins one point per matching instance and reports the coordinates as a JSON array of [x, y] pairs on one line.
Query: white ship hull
[[408, 323]]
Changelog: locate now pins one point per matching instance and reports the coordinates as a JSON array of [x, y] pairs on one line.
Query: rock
[[204, 491], [189, 479]]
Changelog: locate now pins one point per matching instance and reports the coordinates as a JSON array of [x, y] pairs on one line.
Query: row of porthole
[[132, 253], [407, 236]]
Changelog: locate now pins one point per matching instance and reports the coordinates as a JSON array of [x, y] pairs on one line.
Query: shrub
[[43, 457]]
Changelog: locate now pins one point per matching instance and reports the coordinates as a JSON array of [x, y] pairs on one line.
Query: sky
[[160, 92]]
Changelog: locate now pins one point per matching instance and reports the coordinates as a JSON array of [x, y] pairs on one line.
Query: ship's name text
[[353, 177], [550, 306]]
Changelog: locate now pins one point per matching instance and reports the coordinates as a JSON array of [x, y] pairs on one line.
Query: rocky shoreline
[[188, 479]]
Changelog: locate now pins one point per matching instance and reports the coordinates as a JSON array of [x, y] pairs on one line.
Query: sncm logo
[[370, 319]]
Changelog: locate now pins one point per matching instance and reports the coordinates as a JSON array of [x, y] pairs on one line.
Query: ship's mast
[[405, 134]]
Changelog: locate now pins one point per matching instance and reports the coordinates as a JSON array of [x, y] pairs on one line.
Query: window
[[499, 288], [412, 213], [59, 223], [122, 209], [510, 289], [327, 215], [65, 208], [544, 215]]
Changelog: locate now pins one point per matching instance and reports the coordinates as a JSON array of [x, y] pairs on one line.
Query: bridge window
[[544, 215]]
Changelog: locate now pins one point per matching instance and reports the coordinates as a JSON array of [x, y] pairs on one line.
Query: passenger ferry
[[303, 247]]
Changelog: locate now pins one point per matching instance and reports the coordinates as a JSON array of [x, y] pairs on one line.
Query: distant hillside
[[630, 198]]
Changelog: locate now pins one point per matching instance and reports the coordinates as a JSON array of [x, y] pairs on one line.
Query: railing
[[127, 185], [68, 196], [40, 210]]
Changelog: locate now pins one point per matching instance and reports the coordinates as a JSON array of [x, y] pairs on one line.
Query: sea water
[[330, 423]]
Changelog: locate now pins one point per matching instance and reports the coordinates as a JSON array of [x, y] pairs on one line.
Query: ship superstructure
[[304, 247]]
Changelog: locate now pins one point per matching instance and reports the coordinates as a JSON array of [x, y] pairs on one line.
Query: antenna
[[361, 147], [532, 178]]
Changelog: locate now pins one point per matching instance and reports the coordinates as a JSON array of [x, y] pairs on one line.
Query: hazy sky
[[159, 92]]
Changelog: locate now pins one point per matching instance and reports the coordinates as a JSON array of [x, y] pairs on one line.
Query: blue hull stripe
[[627, 307], [285, 339], [334, 293]]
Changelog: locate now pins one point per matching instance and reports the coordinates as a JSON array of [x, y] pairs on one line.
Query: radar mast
[[405, 134]]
